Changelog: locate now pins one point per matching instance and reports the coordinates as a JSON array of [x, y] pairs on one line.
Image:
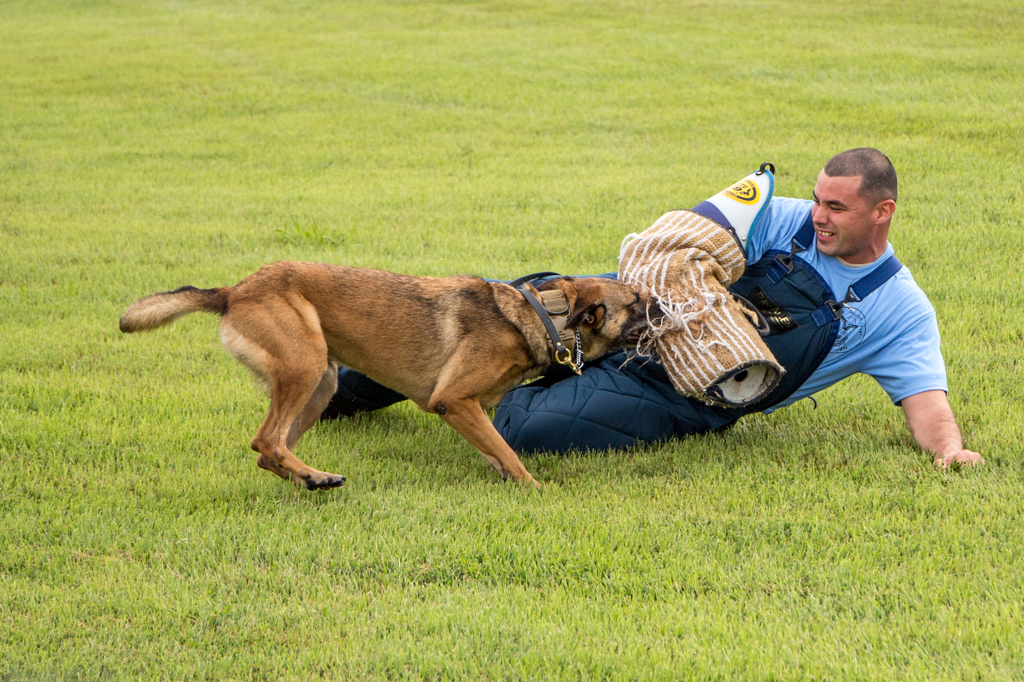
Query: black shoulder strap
[[519, 281]]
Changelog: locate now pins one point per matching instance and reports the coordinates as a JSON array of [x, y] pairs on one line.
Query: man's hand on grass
[[933, 426], [963, 457]]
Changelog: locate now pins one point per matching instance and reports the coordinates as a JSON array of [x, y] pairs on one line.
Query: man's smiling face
[[848, 225]]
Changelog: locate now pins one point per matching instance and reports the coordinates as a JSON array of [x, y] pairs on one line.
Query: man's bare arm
[[934, 428]]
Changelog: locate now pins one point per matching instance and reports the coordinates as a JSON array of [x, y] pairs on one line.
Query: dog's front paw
[[530, 482]]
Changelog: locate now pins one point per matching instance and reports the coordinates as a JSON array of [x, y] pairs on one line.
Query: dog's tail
[[163, 308]]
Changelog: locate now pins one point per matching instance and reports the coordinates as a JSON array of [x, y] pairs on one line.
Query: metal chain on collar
[[579, 352]]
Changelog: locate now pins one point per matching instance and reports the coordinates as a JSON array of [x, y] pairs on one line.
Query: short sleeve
[[779, 223], [912, 361]]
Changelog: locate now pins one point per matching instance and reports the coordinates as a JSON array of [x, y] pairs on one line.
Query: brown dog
[[453, 346]]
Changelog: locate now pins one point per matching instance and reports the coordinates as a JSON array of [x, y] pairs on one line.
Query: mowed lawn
[[149, 145]]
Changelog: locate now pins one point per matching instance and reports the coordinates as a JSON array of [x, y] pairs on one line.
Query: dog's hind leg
[[256, 360], [317, 403], [292, 391], [309, 416], [284, 346]]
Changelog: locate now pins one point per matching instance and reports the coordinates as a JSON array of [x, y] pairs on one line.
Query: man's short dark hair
[[878, 177]]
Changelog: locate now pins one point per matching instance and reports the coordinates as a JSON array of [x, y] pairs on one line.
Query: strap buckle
[[836, 307], [564, 357], [832, 310], [786, 259]]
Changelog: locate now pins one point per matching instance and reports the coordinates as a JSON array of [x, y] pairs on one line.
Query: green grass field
[[148, 145]]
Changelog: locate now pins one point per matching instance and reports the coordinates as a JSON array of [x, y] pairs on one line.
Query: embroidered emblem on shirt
[[851, 329], [744, 192], [778, 319]]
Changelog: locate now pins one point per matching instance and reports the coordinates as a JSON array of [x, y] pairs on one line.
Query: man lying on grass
[[890, 333]]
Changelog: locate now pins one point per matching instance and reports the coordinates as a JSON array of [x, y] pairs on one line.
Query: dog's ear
[[588, 307], [591, 315]]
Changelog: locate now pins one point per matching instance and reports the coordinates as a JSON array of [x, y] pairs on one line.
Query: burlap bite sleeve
[[706, 342]]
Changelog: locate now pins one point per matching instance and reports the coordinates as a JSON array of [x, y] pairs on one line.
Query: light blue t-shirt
[[892, 335]]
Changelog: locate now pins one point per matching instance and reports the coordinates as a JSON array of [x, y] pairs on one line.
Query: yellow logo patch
[[744, 192]]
